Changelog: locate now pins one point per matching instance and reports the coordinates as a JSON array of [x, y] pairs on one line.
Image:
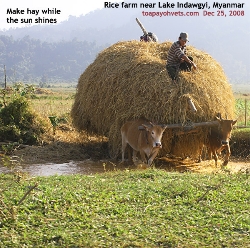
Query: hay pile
[[129, 80]]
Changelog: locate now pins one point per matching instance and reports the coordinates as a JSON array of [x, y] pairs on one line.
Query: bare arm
[[185, 58]]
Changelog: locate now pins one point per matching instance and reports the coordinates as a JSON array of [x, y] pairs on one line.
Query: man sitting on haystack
[[177, 59]]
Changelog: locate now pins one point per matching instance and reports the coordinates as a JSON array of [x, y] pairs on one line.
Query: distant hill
[[34, 61], [224, 38]]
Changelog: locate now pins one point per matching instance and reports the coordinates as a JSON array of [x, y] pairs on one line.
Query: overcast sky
[[71, 7]]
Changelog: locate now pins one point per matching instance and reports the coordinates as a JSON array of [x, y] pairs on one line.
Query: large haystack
[[129, 80]]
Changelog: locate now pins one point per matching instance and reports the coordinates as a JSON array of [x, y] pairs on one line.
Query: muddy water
[[89, 167], [80, 167], [84, 167]]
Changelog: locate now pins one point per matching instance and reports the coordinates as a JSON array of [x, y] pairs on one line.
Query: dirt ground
[[67, 147], [235, 165], [59, 153]]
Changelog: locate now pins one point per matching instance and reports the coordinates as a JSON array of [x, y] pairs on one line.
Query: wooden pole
[[141, 26], [5, 82], [245, 112], [192, 125]]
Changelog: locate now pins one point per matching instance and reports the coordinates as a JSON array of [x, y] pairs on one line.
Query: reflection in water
[[86, 167], [80, 167], [89, 167]]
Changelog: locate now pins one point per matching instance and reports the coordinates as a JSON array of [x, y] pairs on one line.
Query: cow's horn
[[219, 115]]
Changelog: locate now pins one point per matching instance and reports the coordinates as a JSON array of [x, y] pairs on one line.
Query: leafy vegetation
[[240, 143], [243, 111], [145, 208], [18, 123]]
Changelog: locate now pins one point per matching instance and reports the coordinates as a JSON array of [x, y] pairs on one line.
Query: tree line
[[34, 61]]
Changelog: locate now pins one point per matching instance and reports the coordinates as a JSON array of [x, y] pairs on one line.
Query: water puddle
[[90, 167], [87, 167]]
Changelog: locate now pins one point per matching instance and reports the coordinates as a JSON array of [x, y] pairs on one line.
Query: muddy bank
[[92, 156], [63, 158], [90, 167]]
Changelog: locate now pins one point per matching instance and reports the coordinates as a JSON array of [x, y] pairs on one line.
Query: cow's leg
[[215, 156], [134, 156], [209, 153], [200, 153], [221, 149], [143, 157], [124, 144], [130, 149], [152, 156], [228, 153]]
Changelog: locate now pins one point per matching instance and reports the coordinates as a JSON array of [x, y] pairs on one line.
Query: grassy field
[[143, 208], [59, 101], [243, 111], [54, 103], [133, 208]]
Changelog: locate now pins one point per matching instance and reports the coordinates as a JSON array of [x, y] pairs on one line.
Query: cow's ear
[[233, 122]]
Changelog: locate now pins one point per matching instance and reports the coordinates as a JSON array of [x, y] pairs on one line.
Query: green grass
[[60, 101], [243, 133], [143, 208], [242, 108], [59, 104]]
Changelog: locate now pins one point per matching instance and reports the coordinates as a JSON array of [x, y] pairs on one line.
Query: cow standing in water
[[143, 137], [218, 139]]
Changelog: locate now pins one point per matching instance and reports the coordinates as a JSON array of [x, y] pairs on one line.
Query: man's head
[[183, 38]]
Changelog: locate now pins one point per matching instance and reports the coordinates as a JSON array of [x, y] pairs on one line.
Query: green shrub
[[240, 143], [18, 123]]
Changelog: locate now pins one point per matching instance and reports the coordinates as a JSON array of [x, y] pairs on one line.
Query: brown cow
[[143, 137], [218, 140]]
